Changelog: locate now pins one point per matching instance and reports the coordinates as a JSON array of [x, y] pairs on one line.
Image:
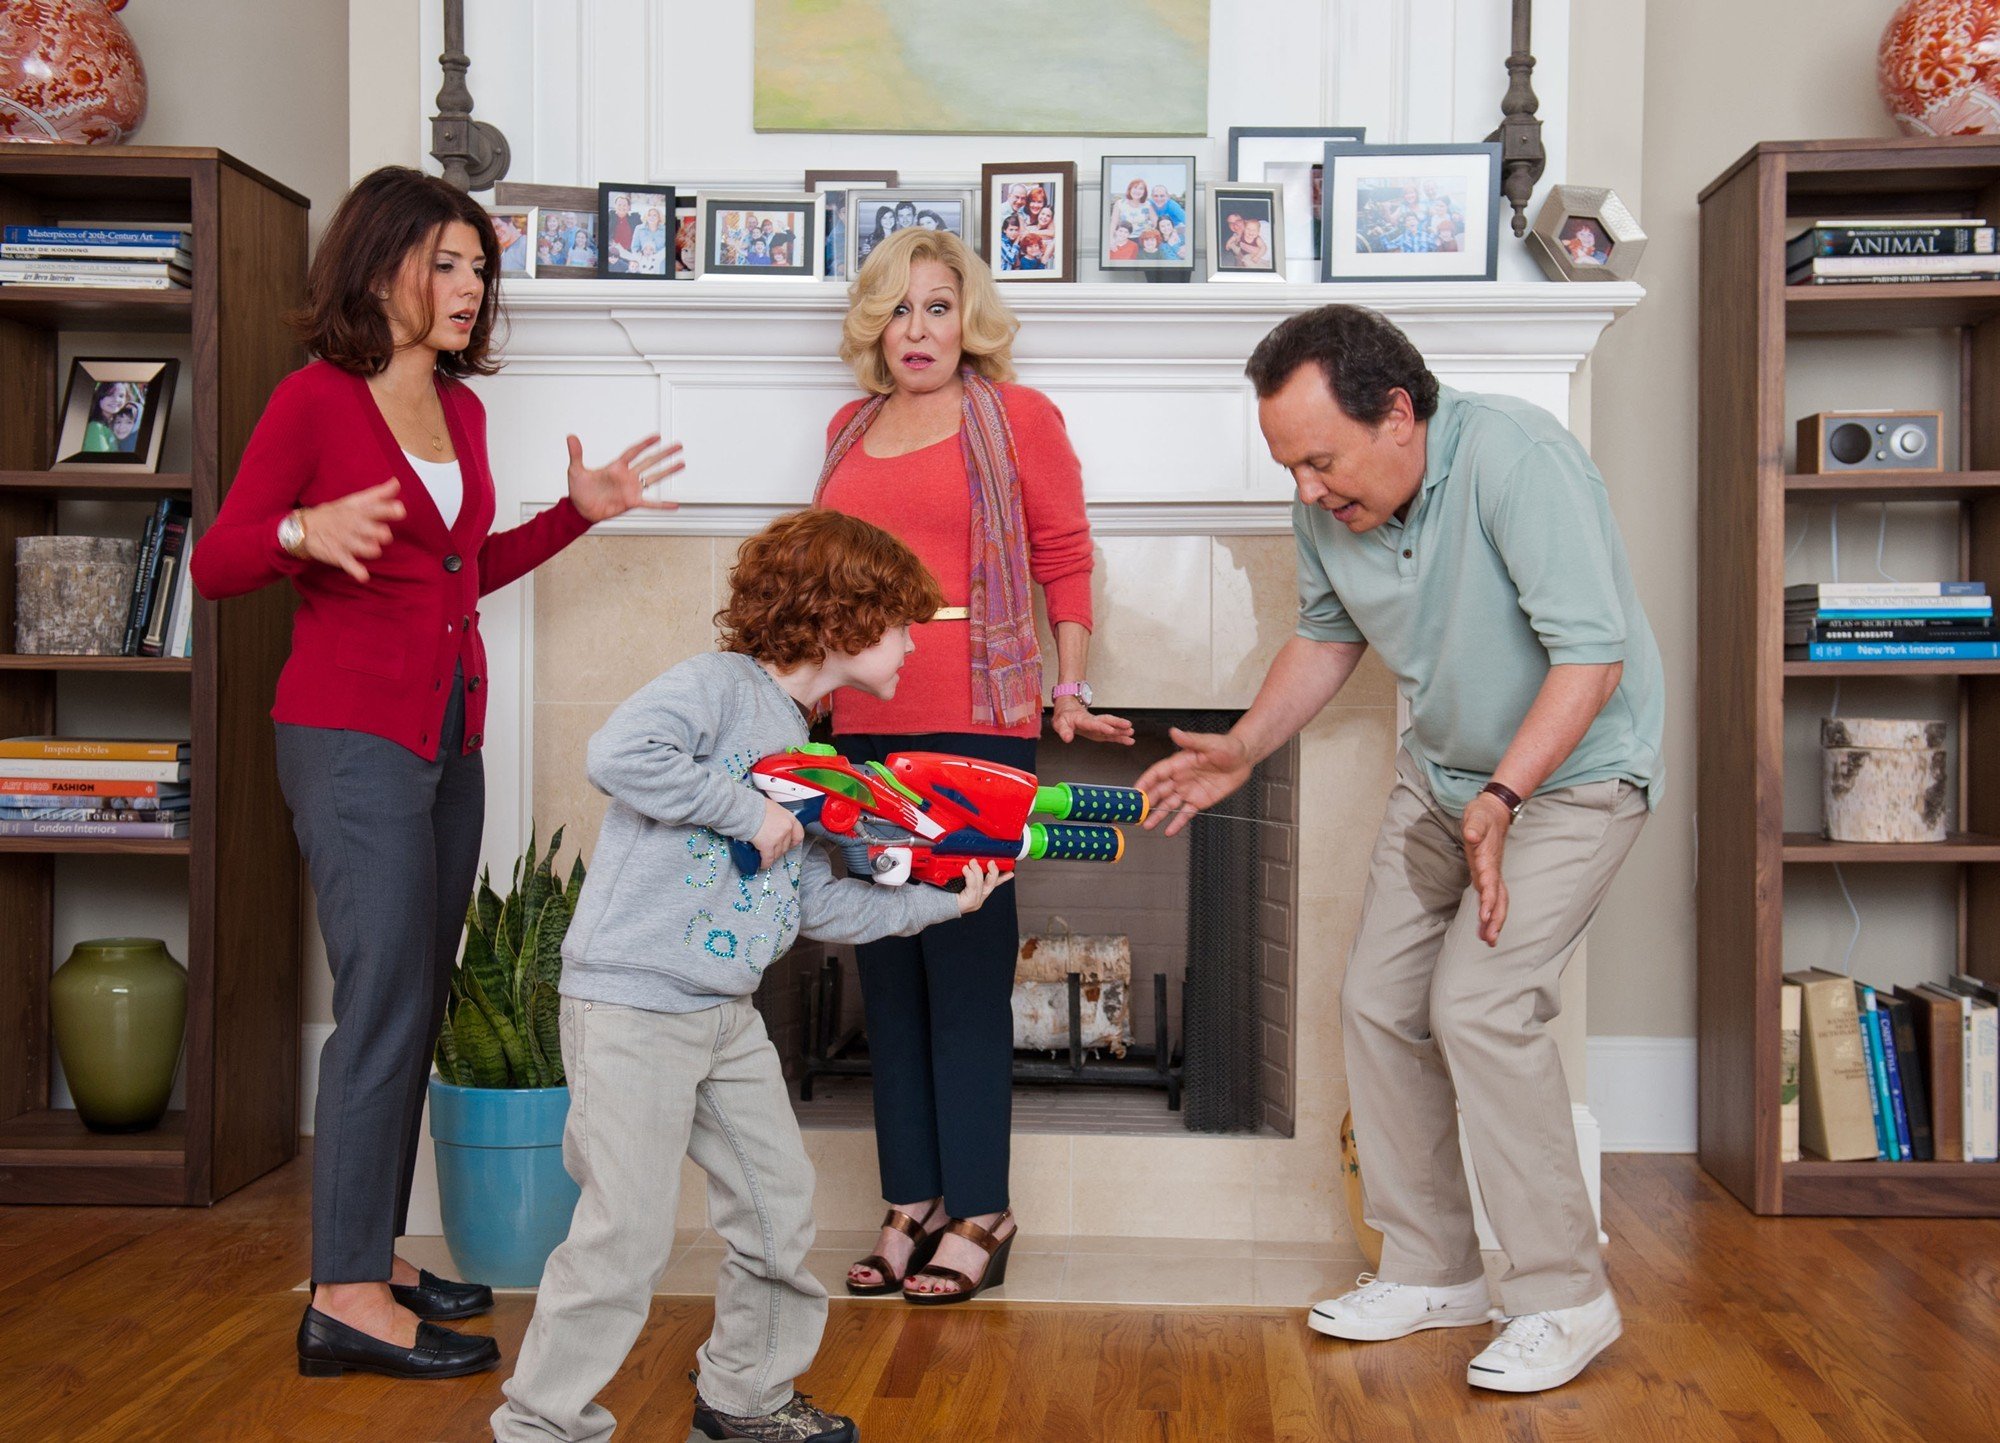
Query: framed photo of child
[[1246, 240], [565, 243], [761, 236], [1293, 157], [1411, 212], [1148, 219], [115, 413], [515, 229], [1028, 216], [685, 208], [838, 186], [636, 223]]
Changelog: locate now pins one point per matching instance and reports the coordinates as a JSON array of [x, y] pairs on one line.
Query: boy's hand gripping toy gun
[[924, 815]]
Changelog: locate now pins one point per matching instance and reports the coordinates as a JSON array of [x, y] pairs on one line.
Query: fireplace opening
[[1186, 949]]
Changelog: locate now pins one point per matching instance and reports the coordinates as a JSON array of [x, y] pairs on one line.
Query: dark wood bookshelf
[[240, 862], [1747, 315]]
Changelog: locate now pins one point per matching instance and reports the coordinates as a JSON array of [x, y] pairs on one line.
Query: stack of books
[[1904, 1075], [1908, 248], [1890, 621], [160, 620], [150, 258], [76, 787]]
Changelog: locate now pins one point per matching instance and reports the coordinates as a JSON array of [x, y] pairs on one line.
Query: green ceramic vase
[[118, 1008]]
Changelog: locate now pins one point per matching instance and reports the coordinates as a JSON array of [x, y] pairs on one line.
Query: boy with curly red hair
[[665, 1054]]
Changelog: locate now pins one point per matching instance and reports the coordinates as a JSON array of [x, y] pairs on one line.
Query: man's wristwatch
[[1078, 689], [1508, 798], [292, 534]]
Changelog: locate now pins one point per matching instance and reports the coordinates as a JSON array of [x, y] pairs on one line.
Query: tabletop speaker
[[1835, 441]]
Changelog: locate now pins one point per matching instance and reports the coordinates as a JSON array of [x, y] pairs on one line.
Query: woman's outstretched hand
[[352, 530], [613, 490], [1073, 719]]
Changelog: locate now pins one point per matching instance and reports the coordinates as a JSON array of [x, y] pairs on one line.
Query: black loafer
[[328, 1348], [442, 1301]]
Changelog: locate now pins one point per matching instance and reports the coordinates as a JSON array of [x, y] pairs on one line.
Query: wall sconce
[[474, 154]]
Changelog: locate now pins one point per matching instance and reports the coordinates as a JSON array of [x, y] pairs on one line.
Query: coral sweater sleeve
[[1059, 550]]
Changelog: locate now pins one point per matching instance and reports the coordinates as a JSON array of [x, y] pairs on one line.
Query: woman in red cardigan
[[366, 485], [976, 475]]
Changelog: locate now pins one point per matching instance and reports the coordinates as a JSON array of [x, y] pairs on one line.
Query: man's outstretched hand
[[1207, 768]]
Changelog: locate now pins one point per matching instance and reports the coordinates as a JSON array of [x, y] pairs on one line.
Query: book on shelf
[[79, 281], [22, 768], [180, 619], [1790, 1010], [13, 803], [93, 814], [1982, 1067], [1903, 268], [1944, 608], [156, 831], [1835, 1095], [1901, 236], [145, 581], [65, 787], [1894, 651], [1939, 1038], [1916, 628], [1910, 1067], [171, 575], [92, 749], [17, 269], [1886, 590], [117, 243], [1886, 1148]]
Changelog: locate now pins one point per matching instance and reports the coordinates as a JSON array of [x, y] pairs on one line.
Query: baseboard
[[1642, 1092]]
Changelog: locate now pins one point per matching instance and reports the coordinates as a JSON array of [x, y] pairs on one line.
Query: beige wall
[[1719, 76]]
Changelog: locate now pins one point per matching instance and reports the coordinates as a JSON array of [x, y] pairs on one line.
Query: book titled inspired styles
[[55, 749], [1835, 1094]]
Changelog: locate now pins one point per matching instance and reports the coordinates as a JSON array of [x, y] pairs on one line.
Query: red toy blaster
[[923, 815]]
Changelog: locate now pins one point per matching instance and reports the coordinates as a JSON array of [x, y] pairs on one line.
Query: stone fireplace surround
[[1194, 594]]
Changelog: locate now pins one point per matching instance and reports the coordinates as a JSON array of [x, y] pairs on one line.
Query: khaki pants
[[646, 1089], [1432, 1016]]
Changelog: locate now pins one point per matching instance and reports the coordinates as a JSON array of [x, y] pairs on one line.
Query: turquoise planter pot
[[505, 1195]]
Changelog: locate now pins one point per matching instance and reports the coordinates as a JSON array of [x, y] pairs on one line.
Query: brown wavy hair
[[392, 216], [986, 325], [818, 581]]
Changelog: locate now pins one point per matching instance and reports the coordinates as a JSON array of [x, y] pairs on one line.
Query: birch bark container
[[1883, 780], [72, 594]]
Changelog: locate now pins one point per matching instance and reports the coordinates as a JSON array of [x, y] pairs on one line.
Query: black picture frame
[[622, 259], [87, 439], [1338, 259], [1304, 145], [807, 240]]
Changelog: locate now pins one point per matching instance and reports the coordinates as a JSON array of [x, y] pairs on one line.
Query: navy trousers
[[939, 1010]]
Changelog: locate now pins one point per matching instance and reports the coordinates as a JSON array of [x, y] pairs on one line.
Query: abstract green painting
[[1046, 67]]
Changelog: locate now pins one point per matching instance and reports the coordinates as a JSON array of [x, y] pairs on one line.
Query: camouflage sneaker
[[797, 1422]]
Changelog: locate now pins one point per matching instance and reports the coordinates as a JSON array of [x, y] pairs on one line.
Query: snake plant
[[500, 1024]]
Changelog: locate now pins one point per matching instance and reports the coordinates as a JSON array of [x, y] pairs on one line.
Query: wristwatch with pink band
[[1078, 689]]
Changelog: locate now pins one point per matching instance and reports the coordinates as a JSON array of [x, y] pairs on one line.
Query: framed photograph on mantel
[[836, 186], [875, 215], [1411, 212], [636, 224], [1028, 216], [565, 226], [1246, 225], [514, 229], [761, 236], [1149, 213], [1294, 158]]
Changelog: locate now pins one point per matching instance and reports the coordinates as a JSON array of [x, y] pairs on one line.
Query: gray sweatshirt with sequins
[[666, 921]]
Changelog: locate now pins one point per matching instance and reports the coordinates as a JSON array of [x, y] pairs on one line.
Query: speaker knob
[[1909, 441], [1850, 443]]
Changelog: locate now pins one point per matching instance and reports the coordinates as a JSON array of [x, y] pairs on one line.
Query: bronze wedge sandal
[[964, 1288], [926, 1245]]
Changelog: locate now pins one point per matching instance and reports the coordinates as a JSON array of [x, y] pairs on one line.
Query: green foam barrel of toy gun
[[1072, 842], [1082, 802]]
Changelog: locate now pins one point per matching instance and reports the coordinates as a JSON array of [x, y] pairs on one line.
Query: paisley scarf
[[1006, 657]]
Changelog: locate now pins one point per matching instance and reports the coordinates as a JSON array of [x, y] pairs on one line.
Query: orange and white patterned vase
[[69, 72]]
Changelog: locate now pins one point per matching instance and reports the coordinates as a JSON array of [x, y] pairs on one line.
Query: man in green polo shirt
[[1469, 540]]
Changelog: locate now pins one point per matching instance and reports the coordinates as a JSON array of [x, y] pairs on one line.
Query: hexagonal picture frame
[[1585, 233]]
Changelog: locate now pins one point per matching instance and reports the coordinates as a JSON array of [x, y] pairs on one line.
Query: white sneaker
[[1377, 1310], [1546, 1350]]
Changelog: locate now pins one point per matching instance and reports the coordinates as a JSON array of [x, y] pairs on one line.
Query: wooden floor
[[136, 1324]]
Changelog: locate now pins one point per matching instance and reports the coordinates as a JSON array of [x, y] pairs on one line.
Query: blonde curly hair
[[986, 332]]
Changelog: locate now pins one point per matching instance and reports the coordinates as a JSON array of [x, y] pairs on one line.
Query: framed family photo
[[1293, 158], [1149, 206], [685, 208], [761, 236], [636, 227], [565, 242], [115, 413], [1028, 216], [1411, 212], [1246, 232], [836, 185], [514, 228], [875, 215], [1585, 233]]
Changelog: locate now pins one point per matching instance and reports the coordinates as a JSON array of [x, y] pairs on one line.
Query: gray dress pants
[[391, 842]]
